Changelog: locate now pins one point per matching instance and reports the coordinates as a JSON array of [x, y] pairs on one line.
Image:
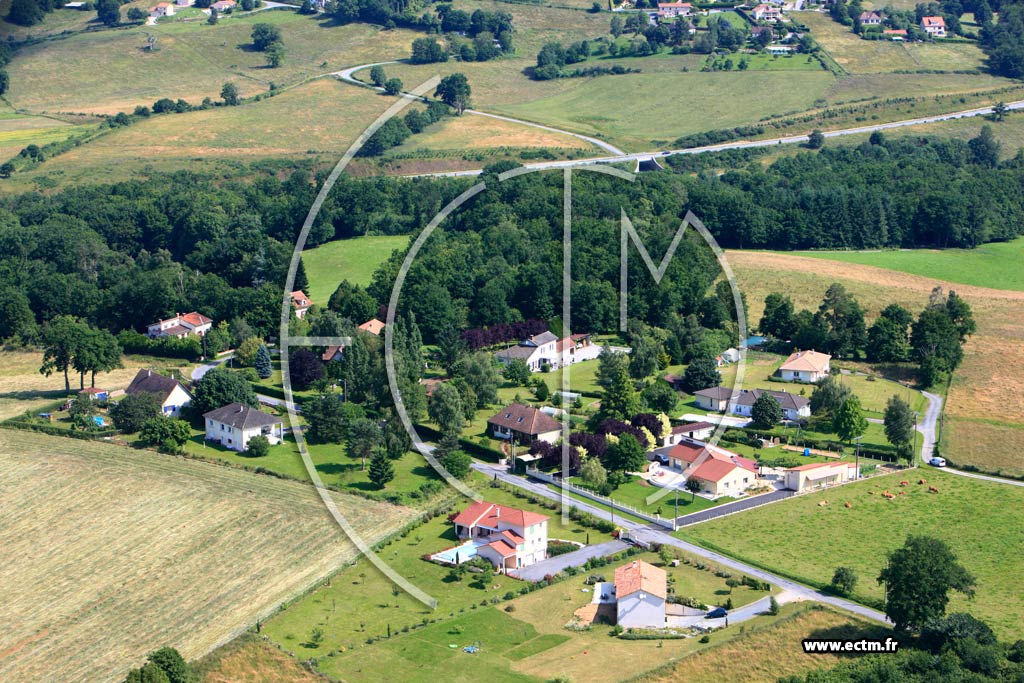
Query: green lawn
[[996, 265], [982, 522], [766, 62], [352, 259], [636, 491]]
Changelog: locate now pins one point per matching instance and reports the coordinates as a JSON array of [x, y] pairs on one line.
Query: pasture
[[982, 522], [985, 403], [115, 553], [353, 259]]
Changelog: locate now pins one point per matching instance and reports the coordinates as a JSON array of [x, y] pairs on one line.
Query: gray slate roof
[[787, 400], [147, 381], [242, 417]]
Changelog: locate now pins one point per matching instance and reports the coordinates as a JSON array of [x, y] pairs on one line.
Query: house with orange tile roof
[[805, 366], [641, 591], [301, 303], [670, 10], [934, 26], [719, 471], [180, 325], [373, 326], [162, 9], [508, 537]]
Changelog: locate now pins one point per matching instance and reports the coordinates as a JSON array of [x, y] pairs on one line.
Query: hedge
[[53, 430]]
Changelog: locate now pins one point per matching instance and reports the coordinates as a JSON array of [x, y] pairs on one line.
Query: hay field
[[985, 404], [110, 553]]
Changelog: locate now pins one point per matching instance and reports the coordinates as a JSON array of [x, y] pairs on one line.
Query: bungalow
[[696, 431], [794, 407], [163, 9], [172, 396], [720, 472], [235, 424], [641, 591], [714, 398], [670, 10], [819, 475], [332, 353], [870, 19], [180, 326], [373, 326], [546, 349], [509, 538], [766, 13], [301, 303], [524, 425], [223, 5], [805, 366], [934, 26]]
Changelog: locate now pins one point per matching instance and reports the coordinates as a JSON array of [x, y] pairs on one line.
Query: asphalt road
[[577, 558]]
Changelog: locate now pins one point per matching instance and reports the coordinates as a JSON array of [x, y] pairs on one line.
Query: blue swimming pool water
[[464, 552], [754, 341]]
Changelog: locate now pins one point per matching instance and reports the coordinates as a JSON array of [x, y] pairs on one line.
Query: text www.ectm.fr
[[867, 645]]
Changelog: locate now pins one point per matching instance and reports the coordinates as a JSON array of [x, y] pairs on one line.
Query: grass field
[[352, 259], [1009, 132], [115, 553], [879, 56], [982, 522], [20, 377], [995, 265], [985, 404], [17, 132]]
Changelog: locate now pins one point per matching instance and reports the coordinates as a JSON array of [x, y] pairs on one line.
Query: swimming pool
[[459, 554]]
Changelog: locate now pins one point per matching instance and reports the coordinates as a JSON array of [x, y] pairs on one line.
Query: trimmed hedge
[[53, 430]]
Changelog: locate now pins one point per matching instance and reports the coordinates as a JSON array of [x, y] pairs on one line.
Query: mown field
[[985, 405], [982, 522], [352, 259], [251, 660], [111, 553]]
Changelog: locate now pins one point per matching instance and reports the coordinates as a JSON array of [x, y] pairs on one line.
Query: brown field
[[731, 662], [20, 377], [251, 660], [483, 132], [110, 553], [986, 387]]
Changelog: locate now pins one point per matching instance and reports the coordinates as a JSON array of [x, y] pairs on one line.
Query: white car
[[937, 462]]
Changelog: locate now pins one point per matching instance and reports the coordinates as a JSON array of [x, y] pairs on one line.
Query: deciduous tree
[[918, 578]]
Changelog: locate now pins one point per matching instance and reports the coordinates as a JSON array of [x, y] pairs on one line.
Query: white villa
[[233, 425], [641, 591], [509, 538], [547, 349], [805, 366], [720, 472], [180, 325]]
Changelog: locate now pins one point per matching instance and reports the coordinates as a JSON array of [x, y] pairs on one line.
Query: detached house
[[670, 10], [180, 326], [766, 13], [163, 9], [720, 472], [373, 326], [547, 349], [173, 397], [641, 591], [805, 366], [695, 431], [301, 303], [870, 19], [714, 398], [524, 425], [793, 406], [233, 425], [508, 537], [223, 5], [934, 26]]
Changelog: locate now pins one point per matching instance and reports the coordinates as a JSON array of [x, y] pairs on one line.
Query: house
[[805, 366], [430, 385], [180, 326], [794, 407], [766, 13], [695, 431], [641, 591], [524, 425], [719, 471], [895, 33], [94, 394], [373, 326], [173, 397], [670, 10], [934, 26], [870, 19], [184, 3], [546, 349], [233, 425], [163, 9], [714, 398], [332, 353], [223, 5], [819, 475], [301, 303], [510, 538]]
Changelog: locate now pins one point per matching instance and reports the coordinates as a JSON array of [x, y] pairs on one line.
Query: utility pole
[[913, 458], [858, 456]]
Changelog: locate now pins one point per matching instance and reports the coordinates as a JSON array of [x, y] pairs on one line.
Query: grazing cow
[[886, 494], [932, 489], [922, 481], [904, 483], [847, 504], [822, 503]]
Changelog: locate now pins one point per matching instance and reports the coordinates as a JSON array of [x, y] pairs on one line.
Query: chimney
[[497, 512]]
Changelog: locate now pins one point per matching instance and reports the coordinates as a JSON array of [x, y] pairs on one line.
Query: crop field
[[463, 133], [874, 56], [353, 259], [116, 553], [983, 522], [192, 61], [251, 660], [985, 403]]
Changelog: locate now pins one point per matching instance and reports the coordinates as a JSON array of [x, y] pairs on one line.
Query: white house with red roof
[[162, 9], [805, 366], [670, 10], [301, 303], [547, 349], [180, 326], [819, 475], [719, 471], [766, 13], [934, 26], [508, 537], [641, 591]]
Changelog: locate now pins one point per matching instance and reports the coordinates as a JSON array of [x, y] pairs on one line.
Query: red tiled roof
[[525, 419], [329, 353], [933, 21], [195, 319], [686, 452], [488, 514], [714, 469], [373, 326], [639, 575], [816, 465], [807, 361], [300, 299], [502, 547]]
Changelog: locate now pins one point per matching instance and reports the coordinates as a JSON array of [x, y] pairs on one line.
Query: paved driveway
[[553, 565], [735, 506]]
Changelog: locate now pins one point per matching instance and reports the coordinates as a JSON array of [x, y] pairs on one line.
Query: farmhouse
[[524, 425], [373, 326], [301, 303], [714, 398], [670, 10], [233, 425], [805, 366], [934, 26], [819, 475], [180, 326], [163, 9], [720, 472], [696, 431], [546, 349], [766, 13], [508, 537], [173, 397], [794, 407], [641, 590], [870, 19]]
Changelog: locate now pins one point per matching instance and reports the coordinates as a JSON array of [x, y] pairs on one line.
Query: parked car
[[716, 613], [937, 462]]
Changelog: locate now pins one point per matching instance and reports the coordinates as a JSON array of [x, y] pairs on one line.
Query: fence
[[586, 493]]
